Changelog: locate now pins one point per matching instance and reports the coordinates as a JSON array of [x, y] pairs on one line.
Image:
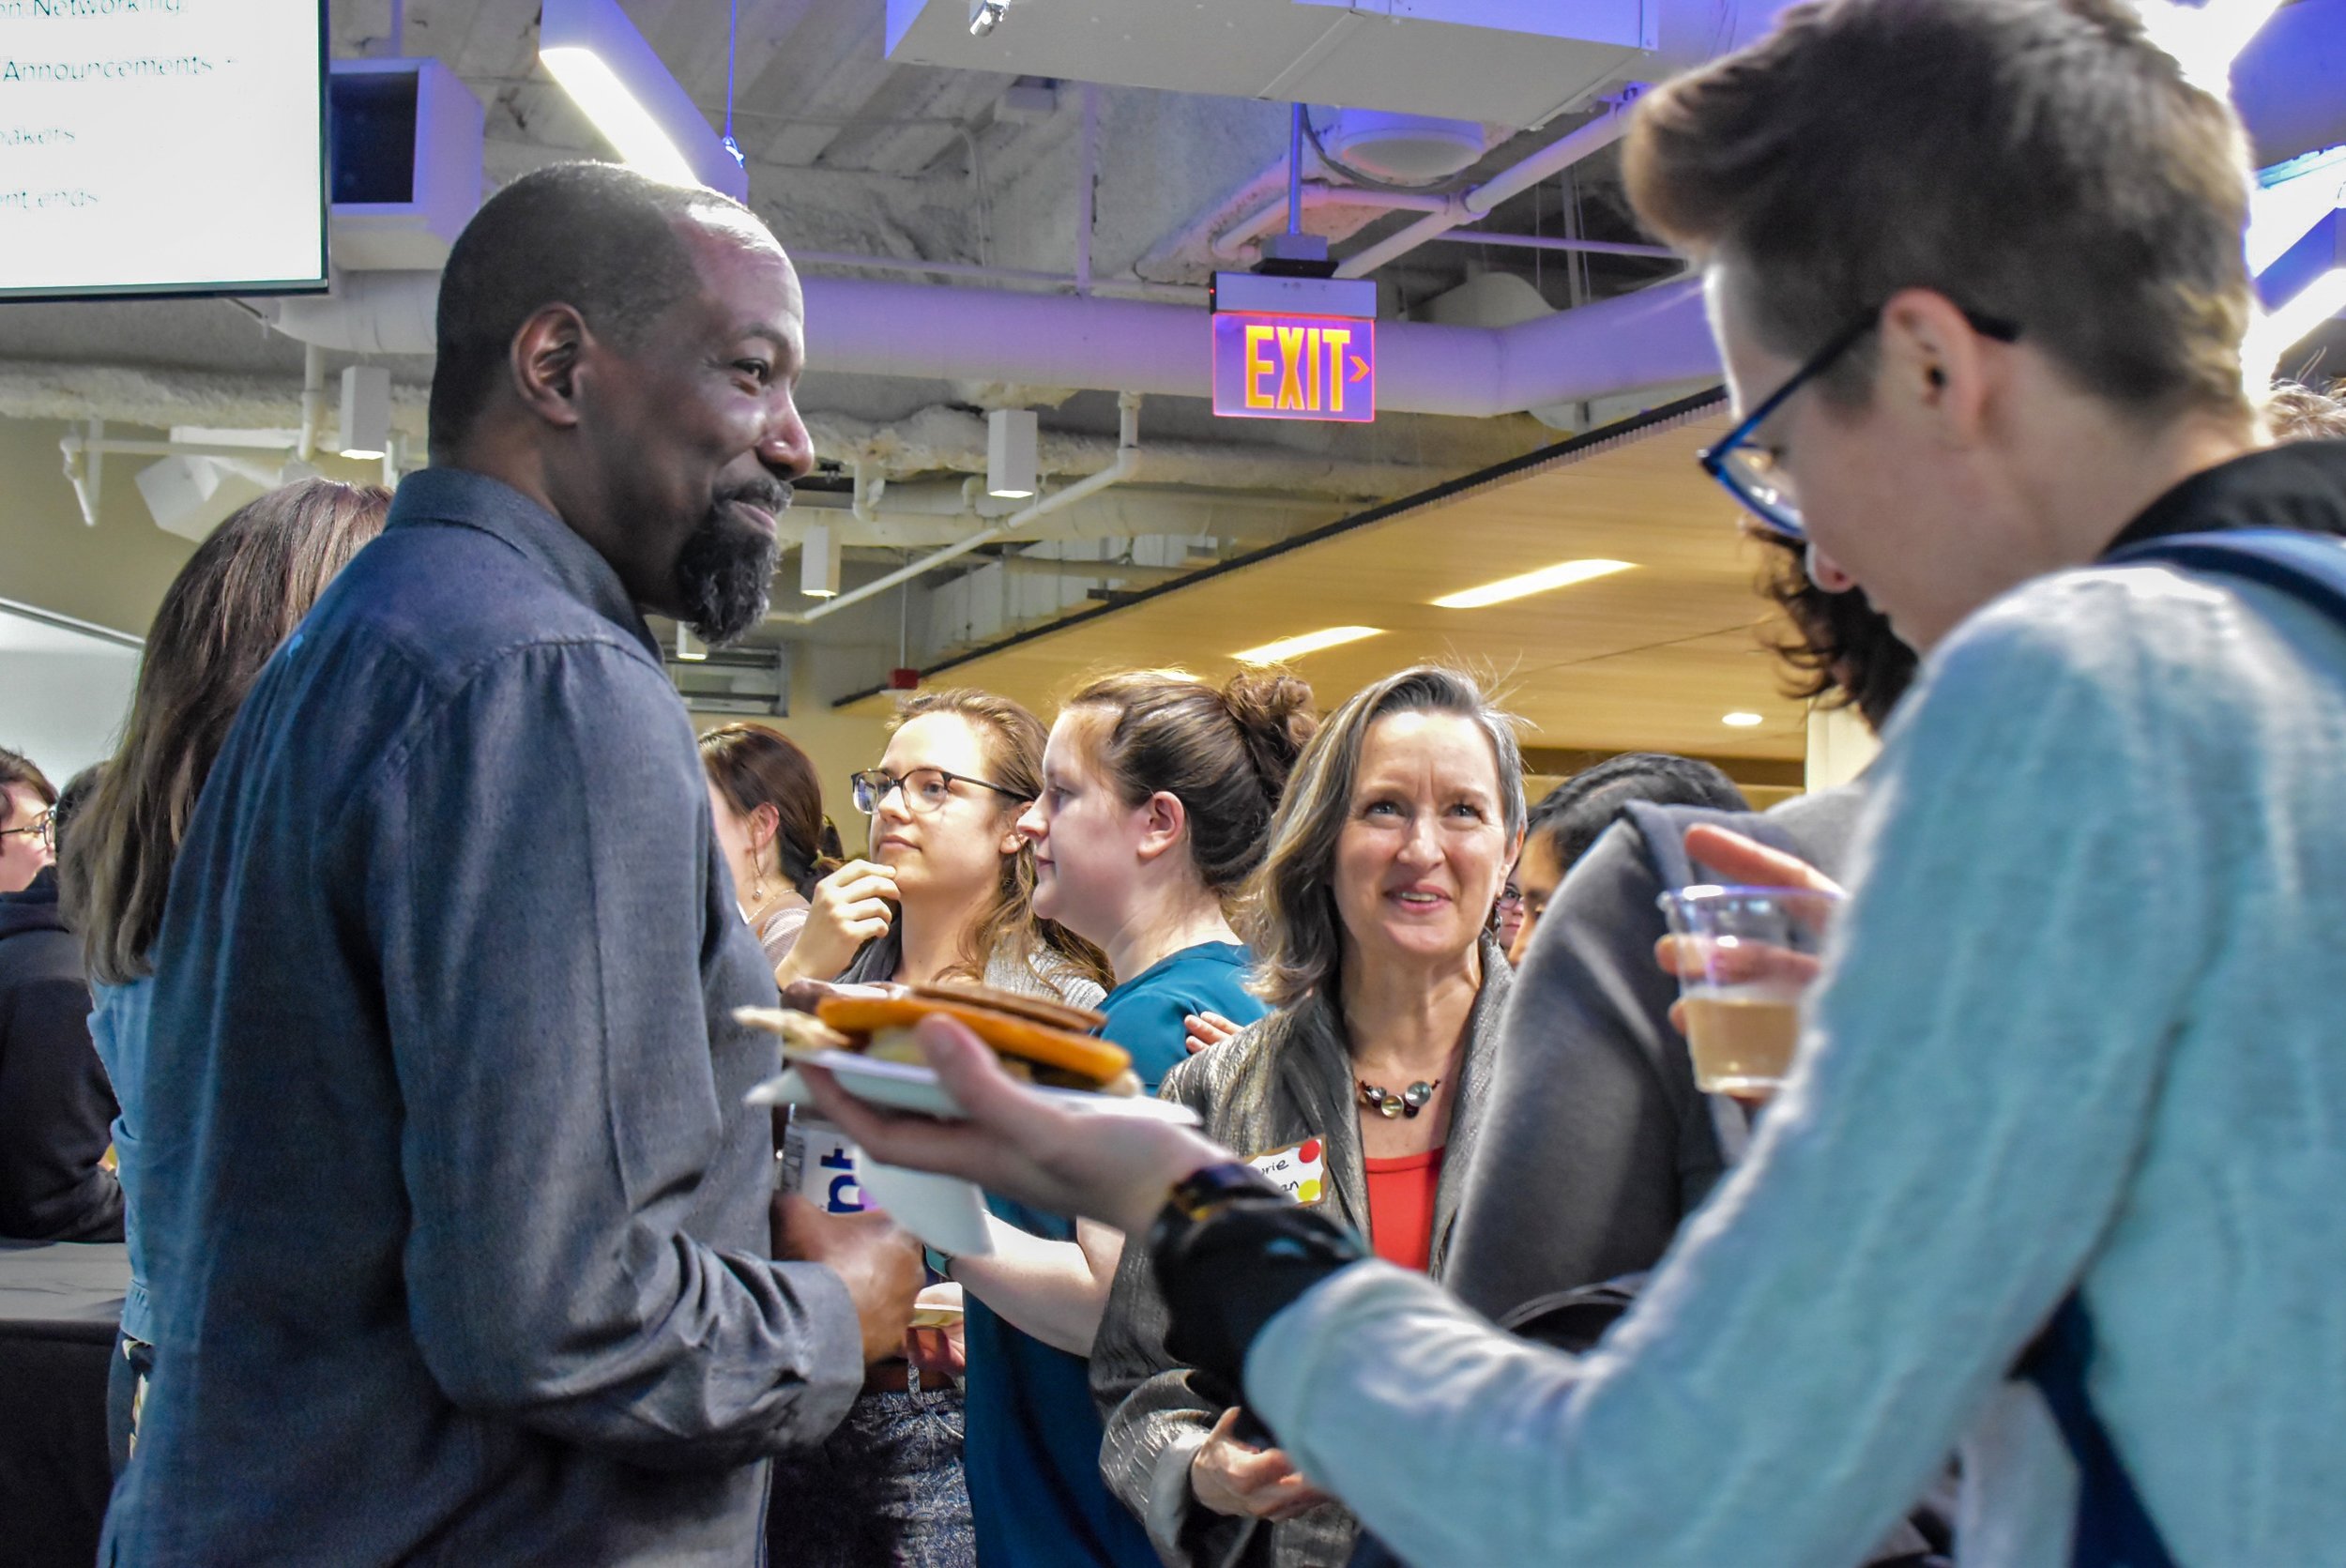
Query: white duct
[[867, 327], [367, 313], [1615, 345]]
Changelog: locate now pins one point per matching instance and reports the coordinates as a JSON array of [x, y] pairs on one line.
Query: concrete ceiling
[[850, 152]]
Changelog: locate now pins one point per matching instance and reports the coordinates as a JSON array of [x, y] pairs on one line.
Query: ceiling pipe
[[1557, 242], [1088, 187], [869, 326], [1127, 462], [1316, 194], [1078, 282], [1639, 340], [1597, 134]]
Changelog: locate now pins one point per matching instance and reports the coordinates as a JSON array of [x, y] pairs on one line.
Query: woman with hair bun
[[1158, 791], [767, 804]]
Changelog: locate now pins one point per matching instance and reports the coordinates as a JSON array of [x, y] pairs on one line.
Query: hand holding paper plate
[[863, 1036]]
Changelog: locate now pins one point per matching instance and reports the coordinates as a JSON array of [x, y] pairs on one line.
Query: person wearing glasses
[[1158, 791], [26, 799], [946, 895], [2055, 1176], [55, 1104]]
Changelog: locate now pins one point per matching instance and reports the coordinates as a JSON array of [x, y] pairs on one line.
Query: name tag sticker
[[1300, 1170]]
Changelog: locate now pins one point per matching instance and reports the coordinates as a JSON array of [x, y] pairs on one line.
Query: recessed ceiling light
[[1310, 642], [1562, 575], [1742, 721]]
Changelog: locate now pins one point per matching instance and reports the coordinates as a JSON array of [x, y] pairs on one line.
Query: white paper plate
[[909, 1087], [943, 1211]]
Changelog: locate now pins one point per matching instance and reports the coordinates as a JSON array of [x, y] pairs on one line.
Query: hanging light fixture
[[1011, 439], [818, 562], [366, 431]]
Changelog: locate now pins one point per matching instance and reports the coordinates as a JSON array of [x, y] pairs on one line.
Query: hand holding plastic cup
[[1743, 957]]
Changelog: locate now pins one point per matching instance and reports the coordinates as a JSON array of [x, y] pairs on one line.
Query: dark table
[[59, 1305]]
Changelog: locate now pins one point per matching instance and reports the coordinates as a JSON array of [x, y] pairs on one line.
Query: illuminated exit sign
[[1294, 348]]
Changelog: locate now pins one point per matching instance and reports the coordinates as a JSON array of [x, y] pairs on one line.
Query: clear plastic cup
[[1745, 957]]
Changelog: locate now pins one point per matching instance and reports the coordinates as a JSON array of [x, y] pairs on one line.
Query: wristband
[[1231, 1251]]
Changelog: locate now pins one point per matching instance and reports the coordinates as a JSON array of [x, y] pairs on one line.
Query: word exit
[[1285, 367]]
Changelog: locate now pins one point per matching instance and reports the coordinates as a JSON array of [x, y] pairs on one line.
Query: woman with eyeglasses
[[25, 800], [947, 891], [1157, 796], [946, 895]]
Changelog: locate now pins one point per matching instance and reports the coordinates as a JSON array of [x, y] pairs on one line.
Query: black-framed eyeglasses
[[926, 789], [1750, 473], [43, 827]]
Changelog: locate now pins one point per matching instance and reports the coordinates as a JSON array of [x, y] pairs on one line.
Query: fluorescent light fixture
[[1310, 642], [1562, 575], [688, 649], [2273, 335], [634, 134], [1010, 439], [818, 562], [2206, 40], [366, 431], [1741, 720], [616, 78]]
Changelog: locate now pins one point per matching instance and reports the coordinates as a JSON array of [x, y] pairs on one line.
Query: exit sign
[[1294, 367]]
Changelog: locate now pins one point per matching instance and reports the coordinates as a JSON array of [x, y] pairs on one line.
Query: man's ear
[[1934, 364], [544, 363]]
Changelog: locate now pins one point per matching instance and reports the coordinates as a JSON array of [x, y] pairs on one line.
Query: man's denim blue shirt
[[454, 1221]]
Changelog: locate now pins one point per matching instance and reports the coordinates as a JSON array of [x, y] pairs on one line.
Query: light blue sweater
[[2087, 1018], [118, 1027]]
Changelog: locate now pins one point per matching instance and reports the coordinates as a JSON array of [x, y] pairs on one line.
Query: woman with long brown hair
[[1364, 1089], [946, 895], [767, 808], [239, 596], [1158, 790]]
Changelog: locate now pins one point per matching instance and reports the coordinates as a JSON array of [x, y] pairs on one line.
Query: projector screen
[[161, 147]]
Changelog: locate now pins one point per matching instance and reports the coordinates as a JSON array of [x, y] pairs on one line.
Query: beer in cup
[[1745, 957]]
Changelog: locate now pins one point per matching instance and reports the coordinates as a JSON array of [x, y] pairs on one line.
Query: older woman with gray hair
[[1360, 1094]]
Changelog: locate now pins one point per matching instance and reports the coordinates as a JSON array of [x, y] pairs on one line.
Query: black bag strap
[[2113, 1529]]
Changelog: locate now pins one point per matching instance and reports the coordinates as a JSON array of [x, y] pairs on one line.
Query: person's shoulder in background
[[1147, 1014]]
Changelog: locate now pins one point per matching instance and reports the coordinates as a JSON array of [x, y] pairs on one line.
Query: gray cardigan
[[1287, 1078]]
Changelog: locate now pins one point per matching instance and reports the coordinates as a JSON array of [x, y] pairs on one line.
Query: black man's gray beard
[[725, 574]]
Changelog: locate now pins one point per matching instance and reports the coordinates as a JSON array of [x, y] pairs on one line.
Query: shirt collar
[[2301, 486], [465, 499]]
